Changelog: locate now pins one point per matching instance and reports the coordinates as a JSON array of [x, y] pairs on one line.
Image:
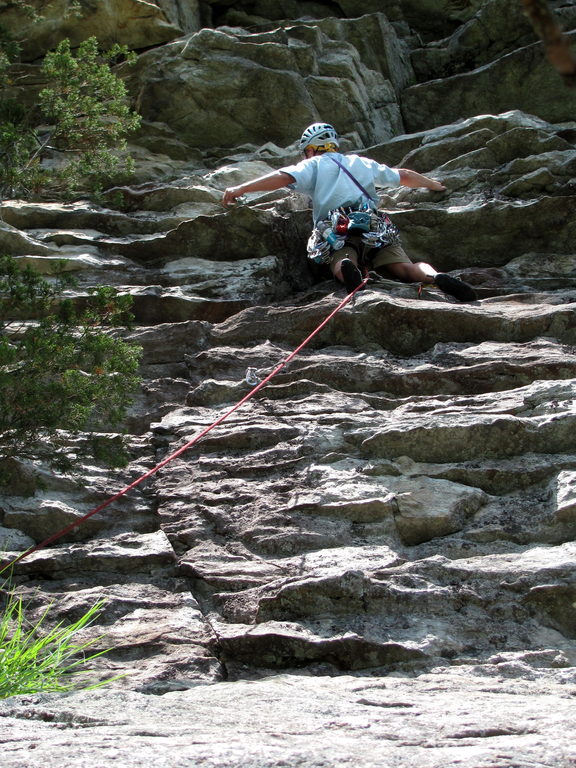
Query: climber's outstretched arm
[[267, 183]]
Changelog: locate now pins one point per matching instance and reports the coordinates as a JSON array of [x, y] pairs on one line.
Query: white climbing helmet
[[318, 135]]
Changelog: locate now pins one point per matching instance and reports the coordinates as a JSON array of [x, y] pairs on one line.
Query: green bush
[[64, 369], [86, 112]]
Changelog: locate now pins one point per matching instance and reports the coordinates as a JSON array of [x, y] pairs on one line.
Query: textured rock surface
[[519, 715], [372, 561]]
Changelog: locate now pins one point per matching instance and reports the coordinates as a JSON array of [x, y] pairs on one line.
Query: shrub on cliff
[[61, 368], [74, 140]]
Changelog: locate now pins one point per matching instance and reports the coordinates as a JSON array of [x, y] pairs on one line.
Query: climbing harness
[[190, 443], [374, 228]]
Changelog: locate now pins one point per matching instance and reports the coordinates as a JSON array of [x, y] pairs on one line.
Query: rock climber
[[349, 230]]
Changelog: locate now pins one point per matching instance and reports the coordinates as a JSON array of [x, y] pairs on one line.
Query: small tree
[[88, 105], [86, 110], [63, 369]]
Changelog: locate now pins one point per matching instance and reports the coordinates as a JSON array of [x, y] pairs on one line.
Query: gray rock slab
[[475, 719]]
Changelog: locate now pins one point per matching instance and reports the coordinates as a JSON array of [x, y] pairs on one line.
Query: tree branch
[[556, 43]]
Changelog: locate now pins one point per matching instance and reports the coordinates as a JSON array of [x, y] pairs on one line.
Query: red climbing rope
[[185, 447]]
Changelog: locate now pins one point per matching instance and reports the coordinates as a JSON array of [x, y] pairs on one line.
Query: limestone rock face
[[524, 73], [376, 546], [221, 88], [302, 720], [135, 23]]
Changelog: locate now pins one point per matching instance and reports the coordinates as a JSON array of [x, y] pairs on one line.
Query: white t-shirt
[[330, 187]]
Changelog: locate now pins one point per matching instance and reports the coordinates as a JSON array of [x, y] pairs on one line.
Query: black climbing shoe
[[455, 287], [351, 274]]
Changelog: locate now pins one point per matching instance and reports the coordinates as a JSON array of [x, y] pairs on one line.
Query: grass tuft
[[34, 660]]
